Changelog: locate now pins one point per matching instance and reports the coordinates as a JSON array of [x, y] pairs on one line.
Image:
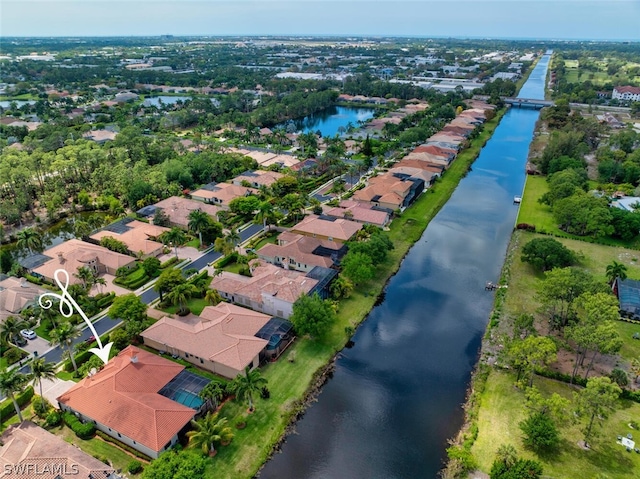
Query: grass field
[[288, 381], [630, 347], [540, 215], [502, 408]]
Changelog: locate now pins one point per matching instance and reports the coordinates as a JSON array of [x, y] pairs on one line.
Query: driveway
[[37, 345]]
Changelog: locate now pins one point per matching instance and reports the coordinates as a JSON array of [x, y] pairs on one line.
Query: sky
[[531, 19]]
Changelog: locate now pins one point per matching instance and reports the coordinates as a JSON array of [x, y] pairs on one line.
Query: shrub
[[41, 406], [82, 430], [169, 262], [13, 355], [526, 226], [620, 377], [134, 467], [7, 410], [540, 433], [53, 419], [33, 279]]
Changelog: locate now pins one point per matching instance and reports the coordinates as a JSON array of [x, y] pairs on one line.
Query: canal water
[[330, 121], [395, 396]]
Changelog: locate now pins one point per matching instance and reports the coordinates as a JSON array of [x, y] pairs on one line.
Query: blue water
[[395, 397], [188, 399], [329, 121], [19, 103], [165, 99]]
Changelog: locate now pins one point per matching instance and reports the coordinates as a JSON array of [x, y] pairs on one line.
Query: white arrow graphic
[[67, 306]]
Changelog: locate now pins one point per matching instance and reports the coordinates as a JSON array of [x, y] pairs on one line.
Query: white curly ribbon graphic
[[68, 305]]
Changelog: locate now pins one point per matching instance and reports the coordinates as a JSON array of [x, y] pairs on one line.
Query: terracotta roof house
[[178, 210], [138, 236], [15, 295], [423, 165], [124, 400], [436, 151], [428, 157], [446, 138], [73, 254], [390, 191], [359, 212], [28, 451], [429, 177], [222, 339], [258, 178], [626, 93], [100, 136], [221, 194], [301, 253], [324, 227], [270, 289]]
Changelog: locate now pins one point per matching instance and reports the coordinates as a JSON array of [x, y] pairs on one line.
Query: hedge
[[81, 358], [169, 262], [6, 408], [227, 260], [83, 430], [122, 445]]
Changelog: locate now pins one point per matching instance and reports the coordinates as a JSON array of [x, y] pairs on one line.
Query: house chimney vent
[[134, 359]]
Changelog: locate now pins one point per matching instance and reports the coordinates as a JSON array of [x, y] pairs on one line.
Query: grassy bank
[[290, 382]]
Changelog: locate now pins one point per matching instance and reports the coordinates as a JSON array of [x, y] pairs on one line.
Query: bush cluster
[[122, 445], [134, 467], [82, 430], [7, 410]]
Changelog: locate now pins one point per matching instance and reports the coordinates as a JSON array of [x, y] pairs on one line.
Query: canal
[[395, 396]]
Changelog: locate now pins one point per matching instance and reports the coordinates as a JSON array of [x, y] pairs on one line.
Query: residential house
[[390, 191], [15, 295], [74, 254], [100, 136], [138, 236], [270, 289], [339, 230], [626, 93], [359, 212], [28, 451], [429, 177], [225, 339], [257, 178], [130, 399], [178, 210], [221, 194], [301, 253]]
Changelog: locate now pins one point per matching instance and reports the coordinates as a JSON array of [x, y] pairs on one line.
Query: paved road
[[106, 324]]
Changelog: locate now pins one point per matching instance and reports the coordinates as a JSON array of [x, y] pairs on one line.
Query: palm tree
[[616, 270], [10, 329], [212, 393], [234, 237], [41, 369], [174, 236], [87, 276], [100, 282], [212, 296], [198, 221], [264, 211], [223, 245], [245, 386], [207, 432], [64, 335], [29, 238], [180, 294], [13, 382]]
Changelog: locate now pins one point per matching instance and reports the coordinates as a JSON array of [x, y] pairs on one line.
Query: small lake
[[164, 100], [330, 121], [19, 103]]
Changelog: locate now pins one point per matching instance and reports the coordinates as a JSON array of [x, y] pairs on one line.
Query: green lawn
[[194, 243], [288, 381], [630, 347], [263, 241], [502, 408], [196, 305], [540, 215]]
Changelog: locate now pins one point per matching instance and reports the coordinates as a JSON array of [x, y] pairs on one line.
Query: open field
[[540, 215], [502, 408]]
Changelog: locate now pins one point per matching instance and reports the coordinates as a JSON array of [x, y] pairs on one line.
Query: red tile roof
[[124, 396]]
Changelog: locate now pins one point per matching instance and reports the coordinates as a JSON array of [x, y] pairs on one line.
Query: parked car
[[28, 334], [90, 339], [20, 341]]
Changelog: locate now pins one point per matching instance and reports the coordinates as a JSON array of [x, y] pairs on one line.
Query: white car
[[28, 334]]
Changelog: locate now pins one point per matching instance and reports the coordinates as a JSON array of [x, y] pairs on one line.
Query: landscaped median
[[292, 382]]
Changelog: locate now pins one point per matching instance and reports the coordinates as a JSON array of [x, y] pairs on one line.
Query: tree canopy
[[312, 315]]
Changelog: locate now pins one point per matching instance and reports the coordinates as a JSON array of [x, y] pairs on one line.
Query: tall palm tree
[[87, 276], [245, 386], [13, 382], [64, 335], [207, 432], [616, 270], [100, 282], [198, 221], [29, 238], [40, 370], [212, 296], [180, 294], [264, 210], [174, 236], [10, 329], [212, 393], [234, 237]]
